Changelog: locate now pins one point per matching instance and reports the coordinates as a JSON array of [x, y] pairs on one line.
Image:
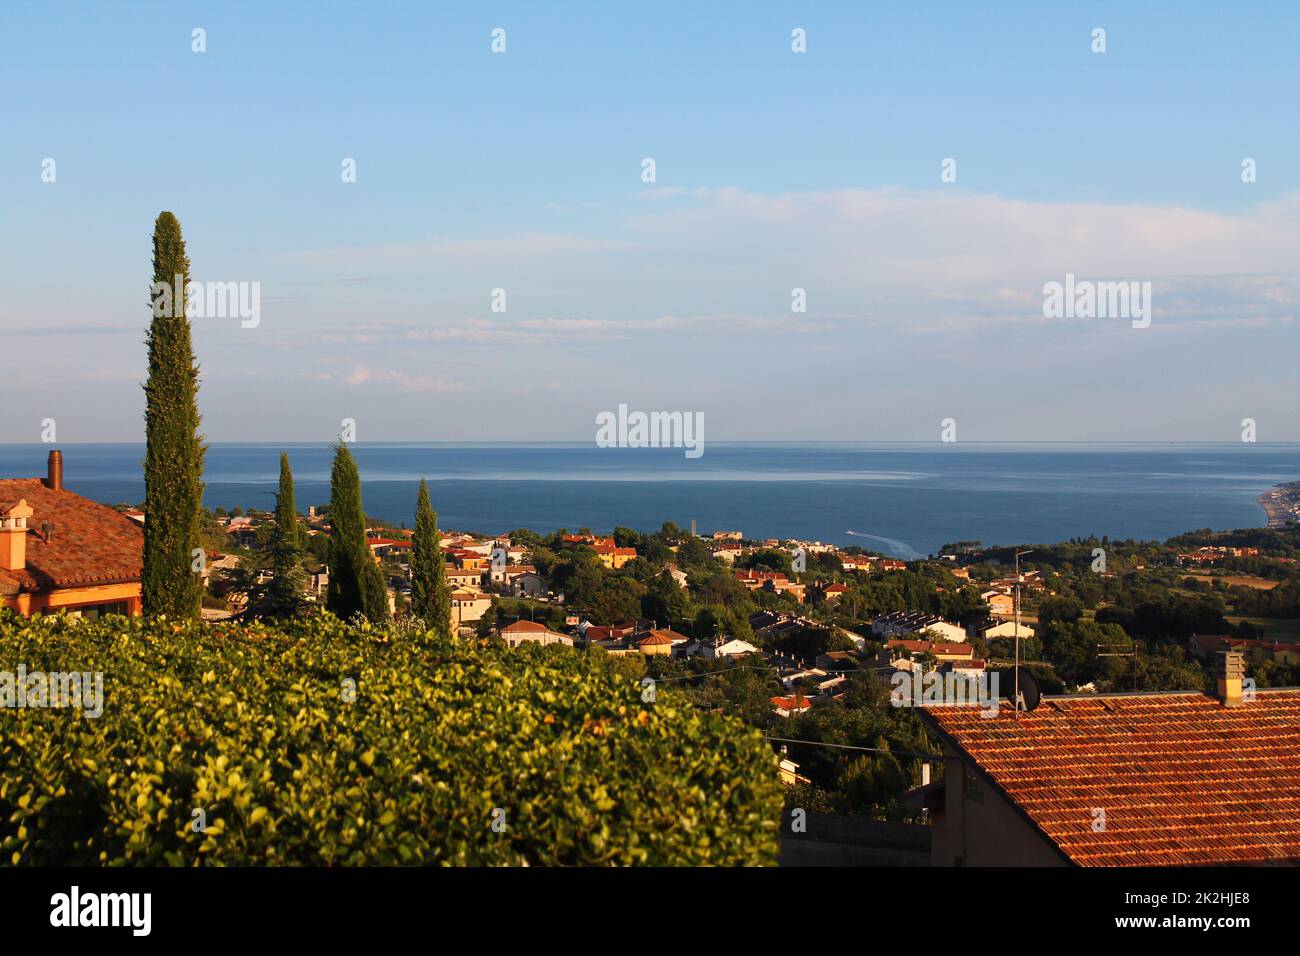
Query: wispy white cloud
[[531, 246], [400, 380]]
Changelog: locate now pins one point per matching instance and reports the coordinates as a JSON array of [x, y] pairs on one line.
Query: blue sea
[[904, 500]]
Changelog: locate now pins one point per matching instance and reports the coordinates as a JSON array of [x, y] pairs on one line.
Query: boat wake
[[895, 547]]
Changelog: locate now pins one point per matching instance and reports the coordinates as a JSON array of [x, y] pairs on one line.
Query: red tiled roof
[[91, 543], [603, 633], [956, 648], [794, 702], [611, 549], [661, 637], [918, 647], [1182, 779], [524, 627]]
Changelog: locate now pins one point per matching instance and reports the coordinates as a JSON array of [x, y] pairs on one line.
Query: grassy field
[[1274, 628], [1238, 580]]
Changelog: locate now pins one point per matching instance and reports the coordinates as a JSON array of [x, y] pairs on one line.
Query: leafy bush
[[250, 724]]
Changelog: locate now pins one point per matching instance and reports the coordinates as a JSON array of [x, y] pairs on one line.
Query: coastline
[[921, 497], [1281, 504]]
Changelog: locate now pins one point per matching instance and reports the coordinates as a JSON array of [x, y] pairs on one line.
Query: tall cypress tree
[[347, 535], [286, 509], [430, 595], [356, 584], [173, 462], [374, 593], [283, 595]]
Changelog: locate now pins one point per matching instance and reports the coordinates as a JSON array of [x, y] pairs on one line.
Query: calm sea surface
[[902, 499]]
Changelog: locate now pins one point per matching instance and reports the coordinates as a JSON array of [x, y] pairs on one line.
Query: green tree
[[174, 450], [374, 593], [617, 601], [666, 602], [430, 595], [282, 596], [581, 577], [1074, 648], [356, 584]]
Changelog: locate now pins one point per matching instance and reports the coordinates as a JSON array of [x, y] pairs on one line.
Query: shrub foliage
[[252, 724]]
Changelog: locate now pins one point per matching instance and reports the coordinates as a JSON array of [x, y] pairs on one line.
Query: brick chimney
[[1229, 669], [13, 535], [55, 467]]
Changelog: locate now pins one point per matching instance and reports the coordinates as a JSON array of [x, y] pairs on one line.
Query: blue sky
[[775, 171]]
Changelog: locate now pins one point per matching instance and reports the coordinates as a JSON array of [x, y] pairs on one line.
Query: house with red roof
[[612, 556], [660, 641], [466, 560], [1140, 779], [388, 547], [468, 605], [832, 592], [790, 705], [530, 632], [60, 551]]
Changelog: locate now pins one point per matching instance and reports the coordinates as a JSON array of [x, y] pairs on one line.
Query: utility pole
[[1015, 702]]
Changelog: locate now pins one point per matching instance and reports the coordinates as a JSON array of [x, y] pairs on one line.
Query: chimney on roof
[[1229, 669], [55, 467], [13, 535]]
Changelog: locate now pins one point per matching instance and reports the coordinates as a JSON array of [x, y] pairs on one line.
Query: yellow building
[[614, 557], [656, 643]]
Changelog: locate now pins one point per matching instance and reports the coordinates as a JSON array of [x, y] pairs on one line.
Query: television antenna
[[1132, 652], [1016, 700]]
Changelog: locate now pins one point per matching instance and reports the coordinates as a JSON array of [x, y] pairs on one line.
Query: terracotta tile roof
[[793, 702], [524, 627], [1182, 779], [939, 648], [91, 543], [659, 637]]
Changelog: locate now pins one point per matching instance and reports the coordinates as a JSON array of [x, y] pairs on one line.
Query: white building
[[713, 649], [521, 632], [917, 624]]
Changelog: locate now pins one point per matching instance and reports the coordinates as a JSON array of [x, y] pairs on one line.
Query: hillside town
[[796, 637]]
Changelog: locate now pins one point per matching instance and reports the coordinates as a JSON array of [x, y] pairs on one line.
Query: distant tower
[[693, 534]]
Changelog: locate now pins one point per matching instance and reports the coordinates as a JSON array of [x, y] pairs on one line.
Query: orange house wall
[[75, 597]]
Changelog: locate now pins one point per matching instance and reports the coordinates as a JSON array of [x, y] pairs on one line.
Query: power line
[[929, 758], [729, 670]]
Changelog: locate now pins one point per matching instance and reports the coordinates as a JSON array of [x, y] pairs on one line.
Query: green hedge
[[250, 724]]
